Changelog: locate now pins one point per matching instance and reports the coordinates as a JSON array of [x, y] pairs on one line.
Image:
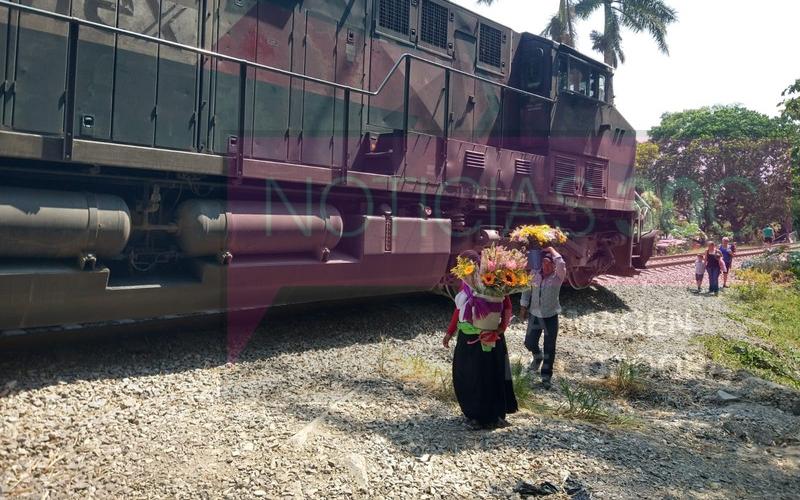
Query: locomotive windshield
[[579, 77]]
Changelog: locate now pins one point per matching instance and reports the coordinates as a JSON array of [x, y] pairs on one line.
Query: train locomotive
[[171, 158]]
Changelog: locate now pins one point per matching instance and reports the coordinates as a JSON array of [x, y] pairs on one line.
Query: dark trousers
[[550, 327], [713, 279]]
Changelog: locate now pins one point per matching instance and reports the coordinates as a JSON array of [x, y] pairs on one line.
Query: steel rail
[[680, 260]]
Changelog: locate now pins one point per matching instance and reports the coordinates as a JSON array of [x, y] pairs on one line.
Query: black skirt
[[482, 380]]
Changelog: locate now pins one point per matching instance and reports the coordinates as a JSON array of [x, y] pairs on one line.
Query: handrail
[[217, 55]]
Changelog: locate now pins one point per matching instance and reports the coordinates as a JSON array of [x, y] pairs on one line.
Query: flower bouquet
[[500, 272], [535, 238], [541, 236]]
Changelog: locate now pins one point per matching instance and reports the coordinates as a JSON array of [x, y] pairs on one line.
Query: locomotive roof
[[556, 45]]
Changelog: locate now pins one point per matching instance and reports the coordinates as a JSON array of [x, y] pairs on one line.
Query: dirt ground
[[350, 402]]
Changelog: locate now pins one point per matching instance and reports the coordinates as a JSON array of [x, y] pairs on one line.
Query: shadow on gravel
[[663, 462], [592, 299], [178, 348]]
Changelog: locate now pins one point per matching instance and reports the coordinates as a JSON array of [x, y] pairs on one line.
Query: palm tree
[[561, 27], [651, 16]]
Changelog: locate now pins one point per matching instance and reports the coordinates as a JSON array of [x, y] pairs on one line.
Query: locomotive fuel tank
[[214, 227], [60, 224]]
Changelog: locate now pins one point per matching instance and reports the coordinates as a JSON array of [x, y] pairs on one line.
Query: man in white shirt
[[541, 301]]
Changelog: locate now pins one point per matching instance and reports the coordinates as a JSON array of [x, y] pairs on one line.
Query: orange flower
[[488, 279], [509, 278]]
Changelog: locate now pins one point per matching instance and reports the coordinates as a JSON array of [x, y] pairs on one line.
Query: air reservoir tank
[[211, 227], [61, 224]]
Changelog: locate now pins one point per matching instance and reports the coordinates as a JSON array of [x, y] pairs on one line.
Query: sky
[[721, 52]]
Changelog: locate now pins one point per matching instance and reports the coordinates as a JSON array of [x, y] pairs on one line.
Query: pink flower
[[491, 266]]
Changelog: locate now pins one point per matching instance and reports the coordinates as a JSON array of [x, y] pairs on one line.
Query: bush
[[794, 264], [688, 231], [754, 285], [774, 259]]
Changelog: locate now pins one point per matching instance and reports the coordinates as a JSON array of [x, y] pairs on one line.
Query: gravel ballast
[[317, 407]]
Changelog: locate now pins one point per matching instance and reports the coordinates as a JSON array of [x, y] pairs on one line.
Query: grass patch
[[770, 309], [434, 378], [437, 380], [742, 355]]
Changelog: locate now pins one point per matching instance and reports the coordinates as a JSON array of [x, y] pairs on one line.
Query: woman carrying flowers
[[481, 368]]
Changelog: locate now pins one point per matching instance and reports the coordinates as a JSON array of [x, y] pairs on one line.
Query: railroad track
[[673, 269], [688, 258]]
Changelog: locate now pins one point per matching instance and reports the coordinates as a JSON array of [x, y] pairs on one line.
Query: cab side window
[[535, 70], [563, 73], [601, 87]]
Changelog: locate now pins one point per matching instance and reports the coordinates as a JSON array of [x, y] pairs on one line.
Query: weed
[[383, 356], [521, 380], [628, 379], [582, 403]]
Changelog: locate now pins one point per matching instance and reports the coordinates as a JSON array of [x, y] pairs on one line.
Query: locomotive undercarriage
[[260, 243]]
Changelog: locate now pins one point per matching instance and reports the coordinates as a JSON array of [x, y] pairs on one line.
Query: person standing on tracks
[[481, 380], [728, 251], [714, 266], [769, 235], [541, 302]]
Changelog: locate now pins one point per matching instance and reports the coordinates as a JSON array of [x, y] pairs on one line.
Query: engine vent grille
[[475, 159], [595, 179], [565, 170], [394, 15], [434, 24], [490, 50], [523, 167]]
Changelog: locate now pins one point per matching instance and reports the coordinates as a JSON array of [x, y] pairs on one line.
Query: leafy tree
[[715, 122], [646, 160], [725, 167], [650, 16], [790, 111]]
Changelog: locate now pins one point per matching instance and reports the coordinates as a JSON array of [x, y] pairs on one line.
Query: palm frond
[[585, 8]]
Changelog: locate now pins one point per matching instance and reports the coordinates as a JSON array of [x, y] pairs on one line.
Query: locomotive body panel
[[425, 127]]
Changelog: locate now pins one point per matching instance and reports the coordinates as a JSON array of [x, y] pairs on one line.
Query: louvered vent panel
[[394, 15], [523, 167], [491, 42], [595, 179], [565, 171], [434, 24], [475, 159]]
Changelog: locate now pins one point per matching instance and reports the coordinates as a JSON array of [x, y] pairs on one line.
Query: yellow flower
[[469, 269], [509, 279]]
